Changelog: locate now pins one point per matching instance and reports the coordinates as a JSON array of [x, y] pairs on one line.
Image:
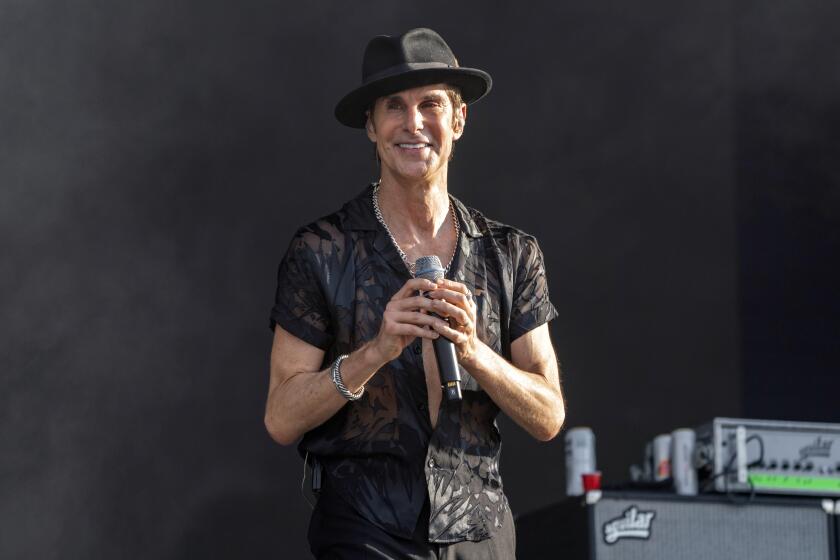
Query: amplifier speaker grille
[[642, 527]]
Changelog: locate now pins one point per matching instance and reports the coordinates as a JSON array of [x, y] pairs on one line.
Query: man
[[408, 474]]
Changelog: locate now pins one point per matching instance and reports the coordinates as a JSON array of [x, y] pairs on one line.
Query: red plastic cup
[[591, 481]]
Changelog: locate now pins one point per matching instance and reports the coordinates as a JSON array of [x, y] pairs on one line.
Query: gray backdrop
[[676, 160]]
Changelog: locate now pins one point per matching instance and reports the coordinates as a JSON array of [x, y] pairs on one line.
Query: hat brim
[[473, 84]]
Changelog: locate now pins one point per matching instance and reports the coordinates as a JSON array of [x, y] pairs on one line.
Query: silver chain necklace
[[410, 265]]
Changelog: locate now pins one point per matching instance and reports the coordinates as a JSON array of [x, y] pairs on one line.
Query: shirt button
[[421, 407], [418, 348], [431, 463]]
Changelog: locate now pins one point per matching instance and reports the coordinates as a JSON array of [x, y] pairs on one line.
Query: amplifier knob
[[785, 465]]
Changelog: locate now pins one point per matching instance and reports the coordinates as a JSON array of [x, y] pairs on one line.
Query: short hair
[[456, 99]]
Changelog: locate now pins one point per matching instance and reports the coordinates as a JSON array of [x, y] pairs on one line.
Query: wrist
[[338, 381], [371, 358], [473, 362]]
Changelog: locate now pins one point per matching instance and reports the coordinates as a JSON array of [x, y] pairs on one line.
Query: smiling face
[[414, 131]]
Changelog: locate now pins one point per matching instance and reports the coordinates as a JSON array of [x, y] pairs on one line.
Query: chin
[[417, 171]]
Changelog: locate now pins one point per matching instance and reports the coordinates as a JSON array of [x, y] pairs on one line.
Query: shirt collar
[[360, 214]]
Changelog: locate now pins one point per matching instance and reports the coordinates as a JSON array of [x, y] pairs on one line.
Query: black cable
[[728, 470], [303, 479]]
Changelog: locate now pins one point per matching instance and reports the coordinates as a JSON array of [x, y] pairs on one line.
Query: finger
[[410, 303], [405, 329], [446, 309], [412, 286], [457, 337], [458, 287], [454, 286], [458, 298], [414, 318], [430, 334]]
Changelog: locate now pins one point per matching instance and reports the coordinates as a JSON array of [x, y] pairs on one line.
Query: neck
[[416, 210]]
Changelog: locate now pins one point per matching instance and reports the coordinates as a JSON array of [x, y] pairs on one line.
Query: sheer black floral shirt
[[380, 453]]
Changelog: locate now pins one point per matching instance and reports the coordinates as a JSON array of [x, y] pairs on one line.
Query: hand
[[405, 318], [454, 301]]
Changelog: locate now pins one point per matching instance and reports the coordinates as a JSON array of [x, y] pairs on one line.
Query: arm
[[302, 397], [527, 390], [299, 396]]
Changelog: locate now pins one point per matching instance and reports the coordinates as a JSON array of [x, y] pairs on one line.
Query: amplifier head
[[769, 457]]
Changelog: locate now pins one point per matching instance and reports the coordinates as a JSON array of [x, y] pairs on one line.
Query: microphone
[[447, 362]]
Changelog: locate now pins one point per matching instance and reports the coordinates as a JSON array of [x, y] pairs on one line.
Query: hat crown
[[420, 45], [419, 57]]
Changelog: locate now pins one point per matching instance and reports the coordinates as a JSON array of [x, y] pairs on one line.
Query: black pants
[[337, 532]]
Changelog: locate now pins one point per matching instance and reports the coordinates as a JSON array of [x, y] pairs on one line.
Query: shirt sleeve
[[300, 306], [531, 306]]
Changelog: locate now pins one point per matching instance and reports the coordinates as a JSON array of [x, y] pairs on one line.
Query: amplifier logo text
[[820, 448], [633, 524]]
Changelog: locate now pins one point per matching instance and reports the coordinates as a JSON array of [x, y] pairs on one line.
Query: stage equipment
[[771, 457], [650, 526]]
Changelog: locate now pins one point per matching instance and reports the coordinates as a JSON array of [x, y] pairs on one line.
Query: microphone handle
[[447, 362]]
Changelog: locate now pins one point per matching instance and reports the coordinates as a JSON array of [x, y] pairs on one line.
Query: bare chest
[[433, 387], [443, 248]]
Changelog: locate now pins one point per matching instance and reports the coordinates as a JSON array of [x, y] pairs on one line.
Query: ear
[[370, 128], [460, 121]]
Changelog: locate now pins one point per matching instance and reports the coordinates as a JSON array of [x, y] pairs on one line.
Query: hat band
[[405, 67]]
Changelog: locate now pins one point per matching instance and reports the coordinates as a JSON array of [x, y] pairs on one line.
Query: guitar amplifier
[[768, 457], [653, 526]]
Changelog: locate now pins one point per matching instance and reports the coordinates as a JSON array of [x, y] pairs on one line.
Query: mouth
[[417, 146]]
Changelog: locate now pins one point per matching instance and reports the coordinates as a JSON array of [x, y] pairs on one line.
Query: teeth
[[412, 146]]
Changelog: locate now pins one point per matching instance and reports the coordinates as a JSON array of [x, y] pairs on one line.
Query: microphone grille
[[428, 268]]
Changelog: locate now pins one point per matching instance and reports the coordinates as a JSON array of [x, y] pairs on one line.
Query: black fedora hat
[[416, 58]]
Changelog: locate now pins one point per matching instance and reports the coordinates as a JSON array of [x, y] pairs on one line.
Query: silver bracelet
[[339, 384]]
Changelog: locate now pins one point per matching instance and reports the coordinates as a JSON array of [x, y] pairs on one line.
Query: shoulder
[[327, 230], [331, 234], [321, 241], [509, 238]]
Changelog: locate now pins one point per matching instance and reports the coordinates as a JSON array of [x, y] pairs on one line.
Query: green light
[[783, 482]]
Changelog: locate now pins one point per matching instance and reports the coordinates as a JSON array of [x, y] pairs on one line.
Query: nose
[[413, 119]]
